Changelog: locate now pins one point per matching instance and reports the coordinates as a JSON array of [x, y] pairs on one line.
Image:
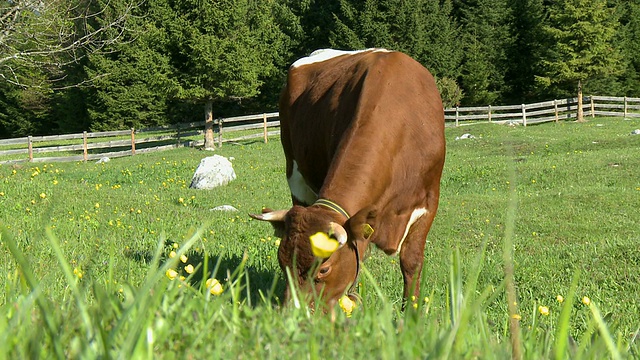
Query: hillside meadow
[[112, 260]]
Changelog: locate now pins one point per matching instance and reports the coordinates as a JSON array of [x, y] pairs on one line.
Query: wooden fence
[[96, 145], [91, 146], [555, 110]]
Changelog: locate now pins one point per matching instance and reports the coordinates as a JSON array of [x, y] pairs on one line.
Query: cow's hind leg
[[412, 256]]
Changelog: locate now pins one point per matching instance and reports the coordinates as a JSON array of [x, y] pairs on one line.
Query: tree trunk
[[209, 144]]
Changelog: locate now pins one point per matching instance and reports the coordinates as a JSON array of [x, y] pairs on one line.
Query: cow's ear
[[275, 217], [362, 224]]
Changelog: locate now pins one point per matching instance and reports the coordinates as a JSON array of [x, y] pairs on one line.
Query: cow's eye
[[324, 271]]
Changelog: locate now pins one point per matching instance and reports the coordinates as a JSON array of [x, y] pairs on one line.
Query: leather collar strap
[[333, 206]]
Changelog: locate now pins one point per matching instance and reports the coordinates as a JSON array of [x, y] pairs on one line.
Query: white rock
[[465, 136], [103, 160], [224, 208], [212, 172]]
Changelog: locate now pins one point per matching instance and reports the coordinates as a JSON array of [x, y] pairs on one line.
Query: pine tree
[[486, 39], [526, 51], [222, 50], [580, 49]]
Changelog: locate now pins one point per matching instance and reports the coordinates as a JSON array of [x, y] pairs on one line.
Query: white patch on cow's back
[[299, 188], [415, 215], [326, 54]]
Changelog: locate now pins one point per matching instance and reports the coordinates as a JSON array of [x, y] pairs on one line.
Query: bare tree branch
[[49, 35]]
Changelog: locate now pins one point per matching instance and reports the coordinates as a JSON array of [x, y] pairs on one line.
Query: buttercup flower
[[43, 195], [559, 298], [322, 245], [189, 269], [171, 274], [347, 305], [214, 286], [183, 258], [543, 310], [586, 300]]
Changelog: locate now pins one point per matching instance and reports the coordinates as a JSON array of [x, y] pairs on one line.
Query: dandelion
[[189, 269], [347, 305], [214, 286], [322, 245], [586, 300], [43, 195], [560, 298], [543, 310], [171, 274], [183, 258]]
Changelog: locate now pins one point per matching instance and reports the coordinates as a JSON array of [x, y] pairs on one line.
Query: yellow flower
[[172, 254], [180, 200], [347, 305], [560, 298], [171, 274], [322, 245], [97, 205], [175, 245], [214, 286], [189, 269], [55, 182], [1, 193], [516, 316], [586, 300], [43, 195], [77, 273], [543, 310], [183, 258]]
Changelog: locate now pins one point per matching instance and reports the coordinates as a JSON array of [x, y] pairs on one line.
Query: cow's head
[[328, 277]]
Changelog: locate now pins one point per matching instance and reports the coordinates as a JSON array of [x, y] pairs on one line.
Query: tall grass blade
[[50, 322], [562, 332], [604, 332]]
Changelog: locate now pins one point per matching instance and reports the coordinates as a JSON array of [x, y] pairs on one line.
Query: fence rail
[[555, 110], [95, 145]]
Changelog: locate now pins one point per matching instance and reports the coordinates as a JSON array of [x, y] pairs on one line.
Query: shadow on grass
[[259, 282]]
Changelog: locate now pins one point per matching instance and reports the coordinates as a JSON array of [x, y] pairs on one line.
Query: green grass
[[564, 196]]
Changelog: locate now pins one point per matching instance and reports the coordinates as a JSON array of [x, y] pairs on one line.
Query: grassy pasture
[[97, 238]]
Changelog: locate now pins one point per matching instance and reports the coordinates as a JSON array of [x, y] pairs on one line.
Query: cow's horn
[[338, 232], [275, 215]]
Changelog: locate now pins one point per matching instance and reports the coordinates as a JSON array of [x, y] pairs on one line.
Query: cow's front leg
[[412, 256]]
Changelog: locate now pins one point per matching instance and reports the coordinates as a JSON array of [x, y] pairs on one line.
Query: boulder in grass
[[212, 172]]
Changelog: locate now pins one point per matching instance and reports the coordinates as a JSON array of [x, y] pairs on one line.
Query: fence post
[[555, 108], [264, 125], [178, 134], [489, 113], [220, 132], [625, 107], [580, 112], [524, 115], [30, 147], [457, 116], [593, 107], [133, 141], [85, 149]]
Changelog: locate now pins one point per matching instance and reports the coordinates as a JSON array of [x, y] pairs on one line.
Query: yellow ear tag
[[322, 245], [367, 230]]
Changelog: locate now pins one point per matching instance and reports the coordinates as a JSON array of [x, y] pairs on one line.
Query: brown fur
[[367, 132]]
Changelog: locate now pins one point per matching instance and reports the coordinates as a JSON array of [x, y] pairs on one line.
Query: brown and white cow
[[363, 137]]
